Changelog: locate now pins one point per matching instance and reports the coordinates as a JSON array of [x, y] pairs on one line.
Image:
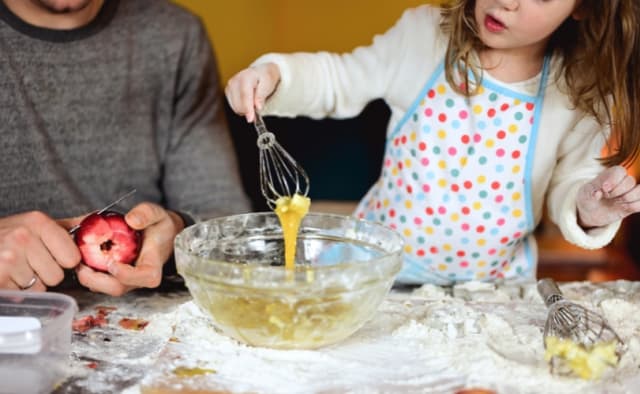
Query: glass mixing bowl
[[234, 269]]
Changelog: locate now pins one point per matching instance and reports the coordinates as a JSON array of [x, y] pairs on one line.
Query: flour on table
[[424, 341], [110, 359]]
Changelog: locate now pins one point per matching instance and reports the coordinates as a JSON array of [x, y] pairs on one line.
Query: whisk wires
[[573, 321], [280, 174]]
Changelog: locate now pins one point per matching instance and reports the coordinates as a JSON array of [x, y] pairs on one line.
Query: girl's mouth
[[493, 25]]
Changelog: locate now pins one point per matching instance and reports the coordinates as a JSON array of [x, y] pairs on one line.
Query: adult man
[[98, 97]]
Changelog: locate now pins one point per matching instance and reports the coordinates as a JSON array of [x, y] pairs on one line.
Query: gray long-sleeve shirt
[[131, 100]]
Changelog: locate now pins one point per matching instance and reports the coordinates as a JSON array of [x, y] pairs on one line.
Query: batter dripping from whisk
[[290, 211], [285, 185]]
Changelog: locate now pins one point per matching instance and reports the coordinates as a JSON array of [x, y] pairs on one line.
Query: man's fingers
[[32, 257], [15, 262], [157, 244], [148, 268], [142, 275], [100, 282], [144, 215], [69, 223], [17, 273], [5, 278], [56, 239], [43, 264], [35, 284]]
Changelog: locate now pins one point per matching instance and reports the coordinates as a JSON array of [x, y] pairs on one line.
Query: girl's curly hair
[[600, 64]]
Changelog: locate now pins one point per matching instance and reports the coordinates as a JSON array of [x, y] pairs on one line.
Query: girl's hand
[[611, 196], [249, 89], [159, 227]]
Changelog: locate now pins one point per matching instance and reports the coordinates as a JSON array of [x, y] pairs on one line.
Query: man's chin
[[63, 6]]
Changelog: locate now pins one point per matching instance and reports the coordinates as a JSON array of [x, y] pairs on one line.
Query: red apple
[[106, 237]]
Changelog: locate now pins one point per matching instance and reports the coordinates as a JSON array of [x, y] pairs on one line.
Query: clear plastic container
[[35, 340]]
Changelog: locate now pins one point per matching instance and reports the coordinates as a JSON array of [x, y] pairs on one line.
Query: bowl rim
[[298, 267]]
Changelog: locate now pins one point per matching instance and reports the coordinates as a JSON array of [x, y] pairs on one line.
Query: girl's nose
[[510, 5]]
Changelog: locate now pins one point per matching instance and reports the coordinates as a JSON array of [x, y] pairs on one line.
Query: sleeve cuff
[[169, 267], [187, 218], [568, 223]]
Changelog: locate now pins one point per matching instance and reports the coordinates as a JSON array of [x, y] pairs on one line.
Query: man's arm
[[201, 173]]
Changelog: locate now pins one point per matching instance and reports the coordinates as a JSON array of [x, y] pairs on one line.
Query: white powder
[[425, 341], [110, 359]]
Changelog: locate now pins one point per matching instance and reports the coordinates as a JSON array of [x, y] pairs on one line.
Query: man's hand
[[34, 249], [610, 197], [159, 227]]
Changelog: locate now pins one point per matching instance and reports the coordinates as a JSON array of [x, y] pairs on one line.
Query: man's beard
[[54, 7]]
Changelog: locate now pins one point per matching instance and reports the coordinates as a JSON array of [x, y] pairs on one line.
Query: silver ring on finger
[[30, 284]]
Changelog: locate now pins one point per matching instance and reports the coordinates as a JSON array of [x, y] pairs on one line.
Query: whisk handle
[[549, 291], [259, 124]]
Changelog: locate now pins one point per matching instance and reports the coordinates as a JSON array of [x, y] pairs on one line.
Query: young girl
[[496, 105]]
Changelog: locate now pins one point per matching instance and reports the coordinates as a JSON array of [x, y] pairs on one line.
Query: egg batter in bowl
[[234, 269]]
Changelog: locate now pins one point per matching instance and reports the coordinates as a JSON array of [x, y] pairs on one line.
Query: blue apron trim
[[416, 102], [534, 139], [506, 91]]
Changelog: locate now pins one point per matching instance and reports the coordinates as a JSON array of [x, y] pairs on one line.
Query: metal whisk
[[568, 320], [280, 174]]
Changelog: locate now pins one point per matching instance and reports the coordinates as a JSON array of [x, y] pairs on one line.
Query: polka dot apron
[[456, 183]]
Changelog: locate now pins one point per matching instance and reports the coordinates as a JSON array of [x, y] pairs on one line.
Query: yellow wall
[[241, 30]]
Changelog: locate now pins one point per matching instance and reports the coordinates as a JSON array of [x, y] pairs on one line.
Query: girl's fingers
[[610, 178], [240, 92], [624, 186]]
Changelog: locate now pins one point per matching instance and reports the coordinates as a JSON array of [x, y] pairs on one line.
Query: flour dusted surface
[[428, 340]]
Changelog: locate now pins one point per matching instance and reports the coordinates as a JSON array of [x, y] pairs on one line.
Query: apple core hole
[[106, 246]]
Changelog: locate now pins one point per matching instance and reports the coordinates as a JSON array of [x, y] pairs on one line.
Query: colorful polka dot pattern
[[453, 185]]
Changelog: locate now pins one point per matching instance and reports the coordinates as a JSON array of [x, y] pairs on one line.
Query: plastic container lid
[[20, 334], [35, 340]]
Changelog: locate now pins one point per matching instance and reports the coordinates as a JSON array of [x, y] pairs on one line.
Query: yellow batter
[[585, 363], [290, 211]]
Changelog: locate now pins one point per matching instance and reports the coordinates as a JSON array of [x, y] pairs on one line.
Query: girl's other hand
[[249, 89], [610, 197]]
